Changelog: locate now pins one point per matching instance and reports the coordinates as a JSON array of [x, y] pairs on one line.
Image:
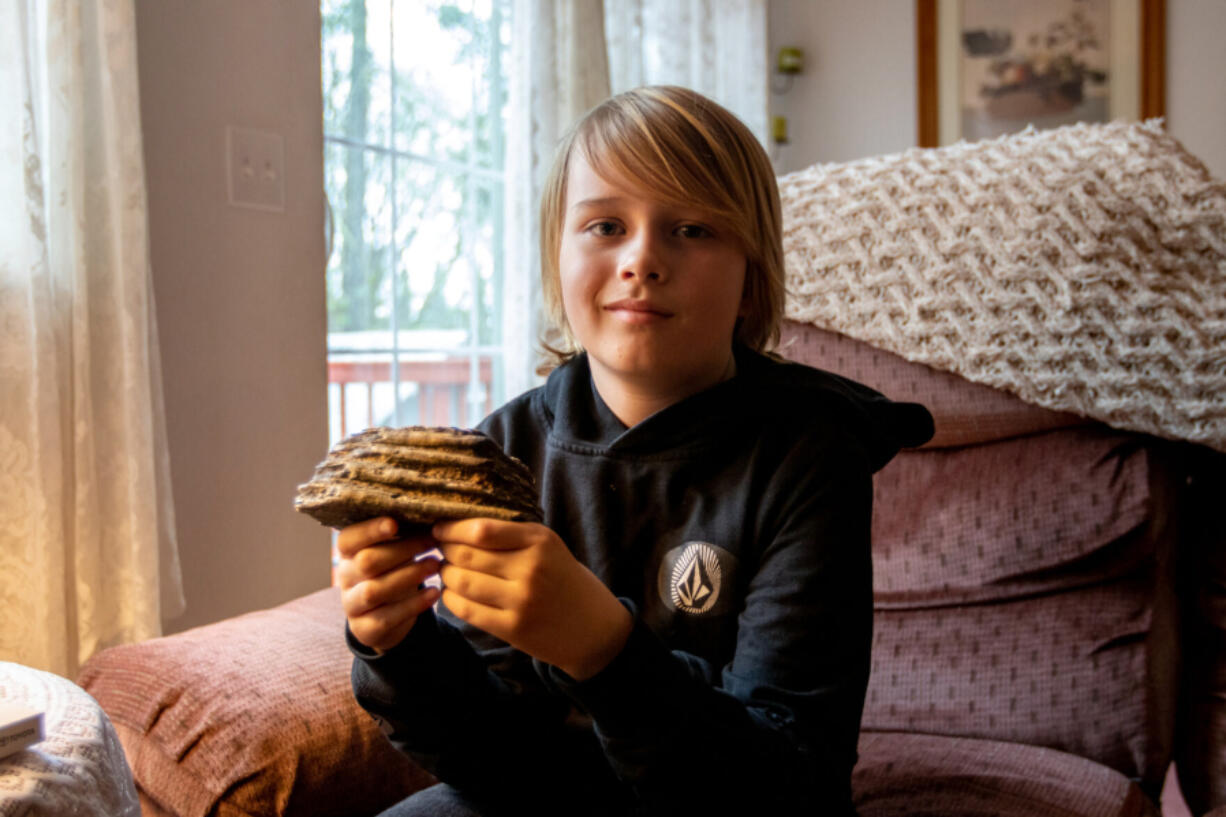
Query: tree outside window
[[414, 108]]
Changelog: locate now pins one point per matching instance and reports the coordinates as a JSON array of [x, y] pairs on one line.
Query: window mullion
[[395, 192], [497, 192], [470, 188]]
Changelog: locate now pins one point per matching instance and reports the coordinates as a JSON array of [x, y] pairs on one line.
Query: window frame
[[482, 392]]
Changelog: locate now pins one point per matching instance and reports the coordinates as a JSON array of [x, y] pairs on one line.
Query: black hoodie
[[735, 527]]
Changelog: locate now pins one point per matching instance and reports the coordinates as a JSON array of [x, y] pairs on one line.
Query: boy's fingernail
[[388, 527]]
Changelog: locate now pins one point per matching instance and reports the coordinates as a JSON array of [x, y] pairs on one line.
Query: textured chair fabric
[[1073, 671], [150, 808], [251, 716], [964, 412], [1025, 603], [918, 775], [1022, 578], [1047, 512]]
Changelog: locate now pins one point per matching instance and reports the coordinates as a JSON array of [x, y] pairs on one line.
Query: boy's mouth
[[634, 308]]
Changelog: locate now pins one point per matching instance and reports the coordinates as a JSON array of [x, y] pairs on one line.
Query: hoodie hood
[[579, 418]]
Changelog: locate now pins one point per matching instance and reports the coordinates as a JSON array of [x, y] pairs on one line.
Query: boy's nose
[[641, 261], [630, 273]]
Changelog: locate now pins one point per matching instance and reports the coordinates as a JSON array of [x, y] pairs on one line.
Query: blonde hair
[[680, 148]]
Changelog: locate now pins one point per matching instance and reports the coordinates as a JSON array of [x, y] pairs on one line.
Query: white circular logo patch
[[696, 577]]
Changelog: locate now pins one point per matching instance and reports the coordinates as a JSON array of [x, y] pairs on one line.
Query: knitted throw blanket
[[1082, 269]]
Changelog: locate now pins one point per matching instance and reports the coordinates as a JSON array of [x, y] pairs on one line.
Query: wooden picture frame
[[1137, 71]]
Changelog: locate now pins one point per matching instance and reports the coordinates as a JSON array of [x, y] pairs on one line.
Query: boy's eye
[[603, 228], [693, 231], [610, 228]]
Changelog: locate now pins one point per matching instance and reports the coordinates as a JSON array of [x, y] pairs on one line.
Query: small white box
[[20, 726]]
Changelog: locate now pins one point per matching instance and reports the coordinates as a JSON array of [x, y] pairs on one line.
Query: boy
[[689, 631]]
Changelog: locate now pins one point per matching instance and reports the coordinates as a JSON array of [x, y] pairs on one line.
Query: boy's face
[[651, 290]]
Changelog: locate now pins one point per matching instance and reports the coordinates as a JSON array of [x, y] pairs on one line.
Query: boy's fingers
[[482, 588], [391, 588], [386, 626], [384, 556], [363, 534], [490, 619], [492, 534], [477, 559]]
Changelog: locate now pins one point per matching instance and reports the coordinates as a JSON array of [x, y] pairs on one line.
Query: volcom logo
[[695, 578]]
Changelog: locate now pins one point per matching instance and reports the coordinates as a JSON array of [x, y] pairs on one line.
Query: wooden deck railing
[[442, 389]]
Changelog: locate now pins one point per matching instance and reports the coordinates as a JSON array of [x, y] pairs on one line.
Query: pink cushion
[[1015, 597], [963, 412], [253, 715], [1077, 671], [916, 775], [1015, 517]]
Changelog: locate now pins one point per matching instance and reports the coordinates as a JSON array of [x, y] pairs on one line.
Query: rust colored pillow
[[253, 715], [963, 412]]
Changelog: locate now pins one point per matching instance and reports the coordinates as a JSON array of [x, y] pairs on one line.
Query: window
[[414, 104]]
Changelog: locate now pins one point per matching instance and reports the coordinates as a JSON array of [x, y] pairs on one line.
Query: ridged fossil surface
[[419, 476]]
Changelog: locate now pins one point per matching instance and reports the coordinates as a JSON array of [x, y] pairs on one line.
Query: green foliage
[[450, 16]]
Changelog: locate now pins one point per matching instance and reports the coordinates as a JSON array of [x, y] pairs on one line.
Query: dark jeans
[[441, 800]]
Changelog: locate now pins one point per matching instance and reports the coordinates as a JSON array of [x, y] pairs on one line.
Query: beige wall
[[1195, 68], [239, 294], [857, 97]]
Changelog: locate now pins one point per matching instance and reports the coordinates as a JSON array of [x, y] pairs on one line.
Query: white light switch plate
[[255, 169]]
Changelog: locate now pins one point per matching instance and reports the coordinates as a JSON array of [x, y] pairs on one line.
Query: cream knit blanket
[[1082, 269]]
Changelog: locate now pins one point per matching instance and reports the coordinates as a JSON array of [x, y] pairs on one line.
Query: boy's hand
[[381, 580], [518, 581]]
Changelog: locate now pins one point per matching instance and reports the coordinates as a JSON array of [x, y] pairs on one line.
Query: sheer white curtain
[[567, 57], [87, 555], [558, 71], [716, 47]]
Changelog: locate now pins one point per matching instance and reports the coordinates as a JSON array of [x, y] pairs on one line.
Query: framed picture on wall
[[988, 67]]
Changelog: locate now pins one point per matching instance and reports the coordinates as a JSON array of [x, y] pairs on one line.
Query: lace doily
[[79, 768]]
